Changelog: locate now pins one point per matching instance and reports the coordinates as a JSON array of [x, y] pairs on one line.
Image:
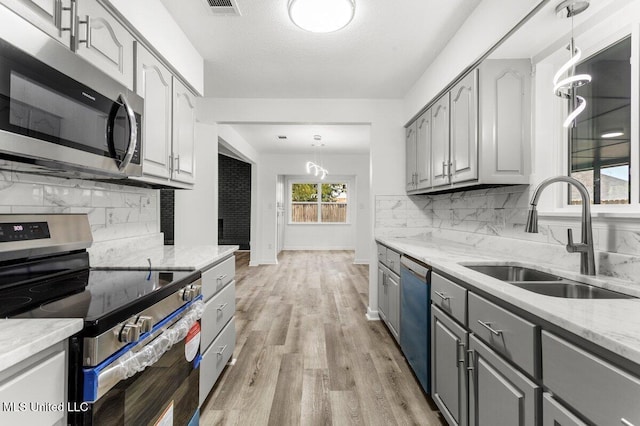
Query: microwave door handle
[[133, 136]]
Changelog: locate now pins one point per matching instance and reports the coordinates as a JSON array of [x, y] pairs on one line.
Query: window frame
[[556, 204], [338, 179]]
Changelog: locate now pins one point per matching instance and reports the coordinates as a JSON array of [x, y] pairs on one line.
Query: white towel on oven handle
[[131, 362]]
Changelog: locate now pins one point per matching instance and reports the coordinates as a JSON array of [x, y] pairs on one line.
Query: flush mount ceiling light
[[321, 16], [565, 86]]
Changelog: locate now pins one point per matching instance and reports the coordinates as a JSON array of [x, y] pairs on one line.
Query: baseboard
[[372, 315], [361, 262]]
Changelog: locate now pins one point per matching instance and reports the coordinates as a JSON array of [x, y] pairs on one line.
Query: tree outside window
[[319, 203]]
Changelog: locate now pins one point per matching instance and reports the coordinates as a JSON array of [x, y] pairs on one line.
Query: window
[[600, 148], [319, 202]]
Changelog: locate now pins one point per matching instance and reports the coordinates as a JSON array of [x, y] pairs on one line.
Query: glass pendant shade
[[321, 16]]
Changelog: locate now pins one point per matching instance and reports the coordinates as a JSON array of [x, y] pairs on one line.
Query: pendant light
[[315, 168], [321, 16], [565, 86]]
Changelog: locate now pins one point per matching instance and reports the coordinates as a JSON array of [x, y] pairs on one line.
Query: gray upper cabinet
[[440, 141], [47, 15], [480, 129], [423, 151], [153, 83], [464, 129], [505, 112], [184, 143], [411, 165], [104, 42]]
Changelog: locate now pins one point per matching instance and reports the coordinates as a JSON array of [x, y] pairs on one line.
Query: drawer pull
[[487, 325], [221, 350], [221, 307], [442, 295], [470, 352], [625, 422], [461, 345], [221, 277]]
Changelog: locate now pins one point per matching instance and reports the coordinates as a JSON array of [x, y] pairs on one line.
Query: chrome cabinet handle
[[87, 37], [221, 277], [221, 350], [73, 15], [625, 422], [178, 164], [391, 262], [221, 307], [442, 295], [487, 325], [57, 15], [460, 345], [443, 166], [452, 166]]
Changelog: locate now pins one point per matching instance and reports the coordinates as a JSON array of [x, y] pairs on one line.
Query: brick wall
[[234, 202]]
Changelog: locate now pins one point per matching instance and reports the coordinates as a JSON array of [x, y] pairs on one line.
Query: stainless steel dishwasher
[[415, 327]]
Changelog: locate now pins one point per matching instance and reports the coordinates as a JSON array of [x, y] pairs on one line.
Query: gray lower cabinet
[[499, 395], [389, 299], [555, 414], [601, 392], [448, 365]]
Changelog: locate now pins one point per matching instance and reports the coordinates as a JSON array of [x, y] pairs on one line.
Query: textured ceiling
[[336, 139], [262, 54]]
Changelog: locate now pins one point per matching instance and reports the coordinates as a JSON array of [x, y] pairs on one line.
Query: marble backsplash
[[494, 219], [115, 211]]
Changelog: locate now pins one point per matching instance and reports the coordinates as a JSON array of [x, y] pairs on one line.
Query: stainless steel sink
[[546, 283], [514, 273]]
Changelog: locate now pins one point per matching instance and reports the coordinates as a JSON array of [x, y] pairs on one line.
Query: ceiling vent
[[223, 7]]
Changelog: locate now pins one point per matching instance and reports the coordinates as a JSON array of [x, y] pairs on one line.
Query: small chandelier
[[321, 16], [315, 168], [565, 87]]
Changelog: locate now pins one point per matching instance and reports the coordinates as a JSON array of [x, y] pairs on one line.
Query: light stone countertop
[[175, 258], [613, 324], [22, 338]]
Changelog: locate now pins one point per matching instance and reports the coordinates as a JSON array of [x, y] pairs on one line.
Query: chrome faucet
[[585, 248]]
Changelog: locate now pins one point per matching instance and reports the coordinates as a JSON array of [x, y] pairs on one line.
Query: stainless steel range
[[136, 360]]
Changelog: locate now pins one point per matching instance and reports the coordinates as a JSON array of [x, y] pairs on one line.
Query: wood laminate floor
[[307, 355]]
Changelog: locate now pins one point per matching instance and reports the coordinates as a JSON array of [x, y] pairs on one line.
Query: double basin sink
[[546, 283]]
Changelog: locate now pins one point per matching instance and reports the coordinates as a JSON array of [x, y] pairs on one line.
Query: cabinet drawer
[[214, 279], [382, 254], [217, 313], [215, 358], [596, 389], [450, 297], [393, 261], [43, 383], [553, 413], [513, 337]]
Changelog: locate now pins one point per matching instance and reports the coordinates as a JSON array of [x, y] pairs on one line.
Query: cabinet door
[[383, 299], [410, 152], [104, 42], [448, 367], [393, 293], [440, 141], [423, 150], [554, 414], [153, 83], [464, 129], [505, 117], [47, 15], [184, 120], [499, 395]]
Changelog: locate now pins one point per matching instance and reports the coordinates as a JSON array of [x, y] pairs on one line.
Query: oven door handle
[[99, 380]]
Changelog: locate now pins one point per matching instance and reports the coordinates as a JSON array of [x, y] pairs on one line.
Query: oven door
[[50, 119], [156, 383]]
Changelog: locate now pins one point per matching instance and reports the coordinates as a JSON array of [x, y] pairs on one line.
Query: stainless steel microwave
[[61, 115]]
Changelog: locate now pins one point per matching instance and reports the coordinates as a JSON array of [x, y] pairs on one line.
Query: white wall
[[385, 161], [196, 210], [488, 23], [354, 236]]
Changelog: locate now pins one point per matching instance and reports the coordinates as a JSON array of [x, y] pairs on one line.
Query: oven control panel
[[23, 231]]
